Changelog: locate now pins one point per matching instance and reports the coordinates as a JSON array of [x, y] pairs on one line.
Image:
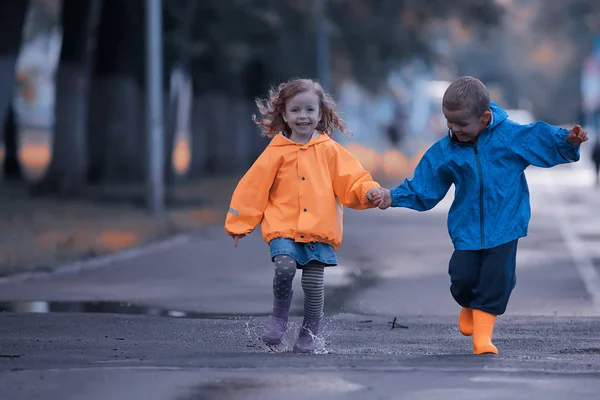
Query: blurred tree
[[372, 35], [12, 18], [241, 49], [231, 60], [66, 173], [376, 35], [180, 16], [572, 25], [116, 133], [235, 48]]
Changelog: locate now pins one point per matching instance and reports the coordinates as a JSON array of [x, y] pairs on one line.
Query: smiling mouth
[[303, 124], [462, 137]]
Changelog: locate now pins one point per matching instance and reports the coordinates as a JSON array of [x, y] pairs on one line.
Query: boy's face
[[464, 125]]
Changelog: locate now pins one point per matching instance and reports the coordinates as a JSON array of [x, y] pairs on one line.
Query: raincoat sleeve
[[350, 180], [428, 187], [250, 197], [542, 144]]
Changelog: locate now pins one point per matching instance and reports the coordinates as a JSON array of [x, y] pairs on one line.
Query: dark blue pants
[[484, 279]]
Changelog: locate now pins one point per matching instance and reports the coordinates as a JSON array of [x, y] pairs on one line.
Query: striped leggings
[[312, 284]]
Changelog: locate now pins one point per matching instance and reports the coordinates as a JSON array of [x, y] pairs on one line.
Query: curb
[[100, 262]]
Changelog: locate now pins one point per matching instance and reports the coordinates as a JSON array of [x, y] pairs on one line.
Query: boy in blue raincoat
[[484, 155]]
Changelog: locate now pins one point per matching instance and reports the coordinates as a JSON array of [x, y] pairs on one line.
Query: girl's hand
[[236, 238]]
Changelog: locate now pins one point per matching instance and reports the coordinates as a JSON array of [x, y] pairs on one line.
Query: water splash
[[255, 328]]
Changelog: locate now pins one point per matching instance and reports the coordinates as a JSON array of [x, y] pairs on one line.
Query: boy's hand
[[236, 238], [382, 199], [373, 192], [577, 135]]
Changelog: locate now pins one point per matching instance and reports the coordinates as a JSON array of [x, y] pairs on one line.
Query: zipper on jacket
[[481, 218]]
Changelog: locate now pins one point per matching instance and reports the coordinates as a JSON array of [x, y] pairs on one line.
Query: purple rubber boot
[[278, 324], [308, 334]]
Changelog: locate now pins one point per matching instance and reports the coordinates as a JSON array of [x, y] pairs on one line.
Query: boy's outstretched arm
[[427, 188], [545, 145]]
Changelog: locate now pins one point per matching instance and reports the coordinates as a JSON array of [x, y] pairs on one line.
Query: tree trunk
[[200, 129], [217, 121], [12, 167], [12, 18], [116, 121], [224, 138], [185, 14], [246, 135], [66, 174]]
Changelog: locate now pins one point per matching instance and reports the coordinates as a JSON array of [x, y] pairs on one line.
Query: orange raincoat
[[296, 191]]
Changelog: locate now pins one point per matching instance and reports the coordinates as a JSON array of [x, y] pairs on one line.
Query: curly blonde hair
[[272, 108]]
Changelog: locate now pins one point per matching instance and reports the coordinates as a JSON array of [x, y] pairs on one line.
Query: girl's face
[[302, 114]]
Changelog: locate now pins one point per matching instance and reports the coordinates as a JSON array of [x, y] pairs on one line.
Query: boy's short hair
[[467, 92]]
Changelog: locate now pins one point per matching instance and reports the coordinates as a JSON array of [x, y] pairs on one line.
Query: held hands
[[381, 197], [577, 135], [373, 192]]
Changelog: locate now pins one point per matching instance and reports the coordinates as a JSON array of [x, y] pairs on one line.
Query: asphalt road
[[183, 321]]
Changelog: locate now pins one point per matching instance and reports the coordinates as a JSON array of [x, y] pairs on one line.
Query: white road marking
[[577, 249]]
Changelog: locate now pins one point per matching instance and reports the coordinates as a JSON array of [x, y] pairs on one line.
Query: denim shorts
[[303, 253]]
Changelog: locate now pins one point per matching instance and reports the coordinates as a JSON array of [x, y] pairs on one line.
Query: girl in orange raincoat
[[295, 190]]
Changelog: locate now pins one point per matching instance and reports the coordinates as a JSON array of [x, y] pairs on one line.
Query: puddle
[[121, 307], [110, 307], [253, 325], [275, 386], [225, 389]]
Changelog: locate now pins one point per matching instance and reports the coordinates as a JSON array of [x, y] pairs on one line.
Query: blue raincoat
[[491, 202]]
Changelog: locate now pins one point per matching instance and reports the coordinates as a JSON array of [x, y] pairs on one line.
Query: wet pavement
[[184, 322], [101, 356]]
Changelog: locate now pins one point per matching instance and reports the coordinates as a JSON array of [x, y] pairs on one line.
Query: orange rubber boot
[[465, 321], [483, 329]]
